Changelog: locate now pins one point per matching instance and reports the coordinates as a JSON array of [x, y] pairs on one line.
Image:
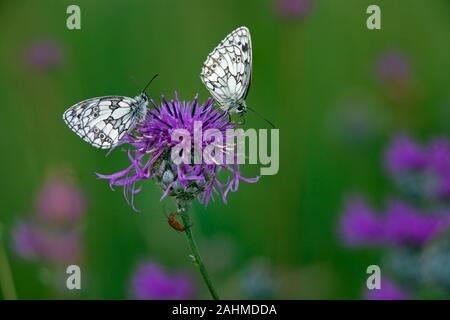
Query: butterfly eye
[[102, 136], [238, 59], [95, 109], [96, 130], [214, 66], [233, 59]]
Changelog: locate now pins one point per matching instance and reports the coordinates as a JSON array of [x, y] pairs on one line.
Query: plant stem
[[197, 259], [6, 279]]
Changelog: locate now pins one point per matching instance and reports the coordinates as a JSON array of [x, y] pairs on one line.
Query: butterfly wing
[[102, 121], [227, 70]]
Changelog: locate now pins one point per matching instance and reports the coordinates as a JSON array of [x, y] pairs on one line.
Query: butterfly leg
[[242, 120]]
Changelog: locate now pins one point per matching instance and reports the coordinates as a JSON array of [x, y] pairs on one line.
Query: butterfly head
[[239, 107], [143, 98]]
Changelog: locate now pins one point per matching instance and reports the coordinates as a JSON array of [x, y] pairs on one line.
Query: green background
[[305, 71]]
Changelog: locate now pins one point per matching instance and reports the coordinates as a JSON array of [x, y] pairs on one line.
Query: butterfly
[[104, 121], [227, 71]]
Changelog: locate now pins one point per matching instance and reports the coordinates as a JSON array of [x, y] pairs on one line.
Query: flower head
[[51, 234], [150, 281], [399, 225], [406, 225], [157, 139], [34, 242], [360, 225], [420, 170], [405, 155], [25, 240], [388, 291], [294, 8], [60, 201], [44, 54], [393, 66]]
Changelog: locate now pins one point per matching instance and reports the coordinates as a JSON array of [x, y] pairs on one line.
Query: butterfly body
[[104, 121], [227, 71]]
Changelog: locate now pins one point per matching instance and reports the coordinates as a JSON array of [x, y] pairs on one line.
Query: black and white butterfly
[[104, 121], [227, 71]]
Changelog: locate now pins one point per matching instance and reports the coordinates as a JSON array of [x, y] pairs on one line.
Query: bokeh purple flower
[[26, 240], [388, 291], [294, 8], [393, 66], [406, 225], [33, 242], [399, 225], [412, 230], [151, 282], [429, 165], [360, 225], [405, 155], [395, 73], [150, 153], [51, 233], [60, 200], [44, 54]]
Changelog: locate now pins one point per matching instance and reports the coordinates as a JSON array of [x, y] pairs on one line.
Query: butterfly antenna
[[145, 88], [259, 115]]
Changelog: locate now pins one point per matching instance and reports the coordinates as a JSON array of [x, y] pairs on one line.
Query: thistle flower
[[34, 242], [360, 225], [396, 75], [60, 201], [151, 282], [25, 241], [294, 8], [388, 291], [44, 54], [406, 225], [393, 66], [400, 224], [415, 238], [51, 234], [404, 155], [420, 170], [151, 147]]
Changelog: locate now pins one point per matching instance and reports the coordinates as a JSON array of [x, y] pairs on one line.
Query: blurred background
[[364, 118]]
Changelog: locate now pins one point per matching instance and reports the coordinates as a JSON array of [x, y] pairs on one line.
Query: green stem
[[197, 259], [6, 279]]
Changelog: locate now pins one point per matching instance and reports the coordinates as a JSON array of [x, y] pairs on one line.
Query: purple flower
[[60, 201], [399, 225], [405, 155], [360, 226], [393, 66], [439, 166], [294, 8], [150, 281], [151, 148], [388, 291], [427, 166], [51, 234], [34, 242], [44, 54], [406, 225], [25, 240]]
